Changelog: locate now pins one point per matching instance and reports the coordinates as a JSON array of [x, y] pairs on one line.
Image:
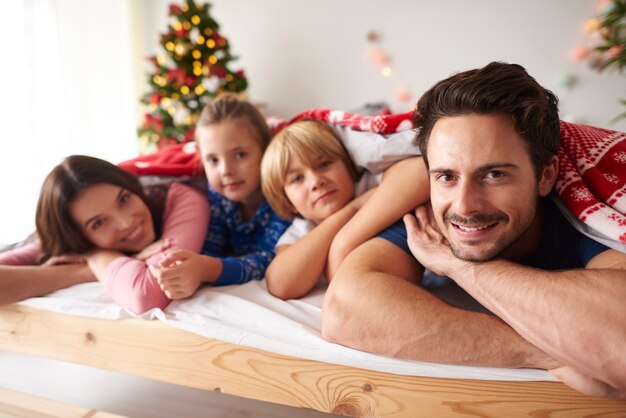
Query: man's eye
[[495, 174], [445, 178], [95, 225]]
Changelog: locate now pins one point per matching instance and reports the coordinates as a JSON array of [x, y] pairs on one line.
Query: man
[[488, 138]]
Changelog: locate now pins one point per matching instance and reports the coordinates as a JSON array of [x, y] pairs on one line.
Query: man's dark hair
[[498, 88]]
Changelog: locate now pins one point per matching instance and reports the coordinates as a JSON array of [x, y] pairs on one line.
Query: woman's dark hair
[[498, 88], [55, 228]]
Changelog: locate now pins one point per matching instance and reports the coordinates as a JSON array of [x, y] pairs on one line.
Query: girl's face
[[112, 218], [231, 156], [319, 191]]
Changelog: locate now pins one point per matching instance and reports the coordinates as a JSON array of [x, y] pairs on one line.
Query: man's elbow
[[336, 316]]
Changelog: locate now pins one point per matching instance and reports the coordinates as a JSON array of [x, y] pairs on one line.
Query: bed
[[242, 341], [81, 325]]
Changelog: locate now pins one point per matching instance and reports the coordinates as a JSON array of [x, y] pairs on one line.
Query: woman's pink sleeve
[[26, 255], [129, 281]]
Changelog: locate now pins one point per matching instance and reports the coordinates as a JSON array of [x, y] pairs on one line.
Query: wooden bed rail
[[154, 350]]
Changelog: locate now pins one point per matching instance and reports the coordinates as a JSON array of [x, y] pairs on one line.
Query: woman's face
[[113, 218]]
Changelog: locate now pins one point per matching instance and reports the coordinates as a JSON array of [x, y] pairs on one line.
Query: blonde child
[[308, 176], [231, 136]]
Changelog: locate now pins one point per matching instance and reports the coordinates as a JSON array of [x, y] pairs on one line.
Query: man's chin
[[474, 254]]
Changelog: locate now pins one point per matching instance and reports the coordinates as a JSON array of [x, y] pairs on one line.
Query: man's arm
[[576, 316], [372, 304]]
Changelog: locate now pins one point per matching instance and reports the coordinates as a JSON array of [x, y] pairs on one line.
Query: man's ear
[[548, 176]]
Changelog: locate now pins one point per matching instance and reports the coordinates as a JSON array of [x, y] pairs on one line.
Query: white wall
[[300, 54]]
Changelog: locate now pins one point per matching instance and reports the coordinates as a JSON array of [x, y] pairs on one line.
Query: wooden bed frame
[[154, 350]]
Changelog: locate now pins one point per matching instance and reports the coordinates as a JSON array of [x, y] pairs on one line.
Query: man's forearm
[[575, 316], [371, 305]]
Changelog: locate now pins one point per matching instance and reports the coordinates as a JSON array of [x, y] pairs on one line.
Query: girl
[[308, 175], [231, 136], [95, 222]]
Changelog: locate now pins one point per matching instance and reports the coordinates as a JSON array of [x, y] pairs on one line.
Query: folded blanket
[[591, 179]]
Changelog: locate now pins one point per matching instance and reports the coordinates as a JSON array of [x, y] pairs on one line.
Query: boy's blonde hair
[[303, 140], [228, 107]]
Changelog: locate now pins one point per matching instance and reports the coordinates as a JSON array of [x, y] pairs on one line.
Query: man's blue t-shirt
[[561, 246]]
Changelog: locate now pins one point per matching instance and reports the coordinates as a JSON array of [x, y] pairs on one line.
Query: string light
[[210, 43], [212, 59], [208, 31], [169, 45], [382, 60], [196, 54], [195, 19], [184, 90], [200, 40]]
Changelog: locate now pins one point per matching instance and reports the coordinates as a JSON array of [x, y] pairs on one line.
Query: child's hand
[[154, 248], [181, 273]]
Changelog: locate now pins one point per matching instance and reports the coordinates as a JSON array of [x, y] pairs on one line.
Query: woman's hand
[[65, 259], [154, 248]]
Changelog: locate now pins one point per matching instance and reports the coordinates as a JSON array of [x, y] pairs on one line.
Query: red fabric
[[591, 179], [177, 160]]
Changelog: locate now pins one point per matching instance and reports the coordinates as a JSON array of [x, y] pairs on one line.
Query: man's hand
[[181, 273], [586, 384], [427, 243]]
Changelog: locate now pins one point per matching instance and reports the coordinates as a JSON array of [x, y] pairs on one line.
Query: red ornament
[[152, 122], [155, 98], [218, 70], [240, 73], [175, 10], [177, 75]]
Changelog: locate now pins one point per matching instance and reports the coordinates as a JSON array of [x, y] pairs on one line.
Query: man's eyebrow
[[480, 169]]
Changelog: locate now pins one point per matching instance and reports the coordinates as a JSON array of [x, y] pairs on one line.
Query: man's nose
[[468, 199]]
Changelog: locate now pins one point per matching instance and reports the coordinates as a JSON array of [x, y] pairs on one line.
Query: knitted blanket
[[591, 181]]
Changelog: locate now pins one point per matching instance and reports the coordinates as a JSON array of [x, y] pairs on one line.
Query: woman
[[95, 222]]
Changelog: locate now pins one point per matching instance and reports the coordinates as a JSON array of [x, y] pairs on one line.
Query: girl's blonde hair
[[305, 141], [228, 107]]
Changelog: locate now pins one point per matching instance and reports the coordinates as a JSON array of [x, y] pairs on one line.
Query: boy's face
[[484, 191], [319, 191], [231, 156]]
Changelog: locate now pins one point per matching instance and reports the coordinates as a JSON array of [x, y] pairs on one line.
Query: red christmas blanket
[[591, 180]]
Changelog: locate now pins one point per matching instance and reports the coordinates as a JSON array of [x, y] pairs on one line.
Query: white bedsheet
[[248, 315]]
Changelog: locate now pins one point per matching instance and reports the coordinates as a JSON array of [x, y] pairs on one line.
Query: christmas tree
[[193, 69]]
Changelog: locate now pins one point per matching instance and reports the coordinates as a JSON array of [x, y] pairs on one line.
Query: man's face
[[484, 191]]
